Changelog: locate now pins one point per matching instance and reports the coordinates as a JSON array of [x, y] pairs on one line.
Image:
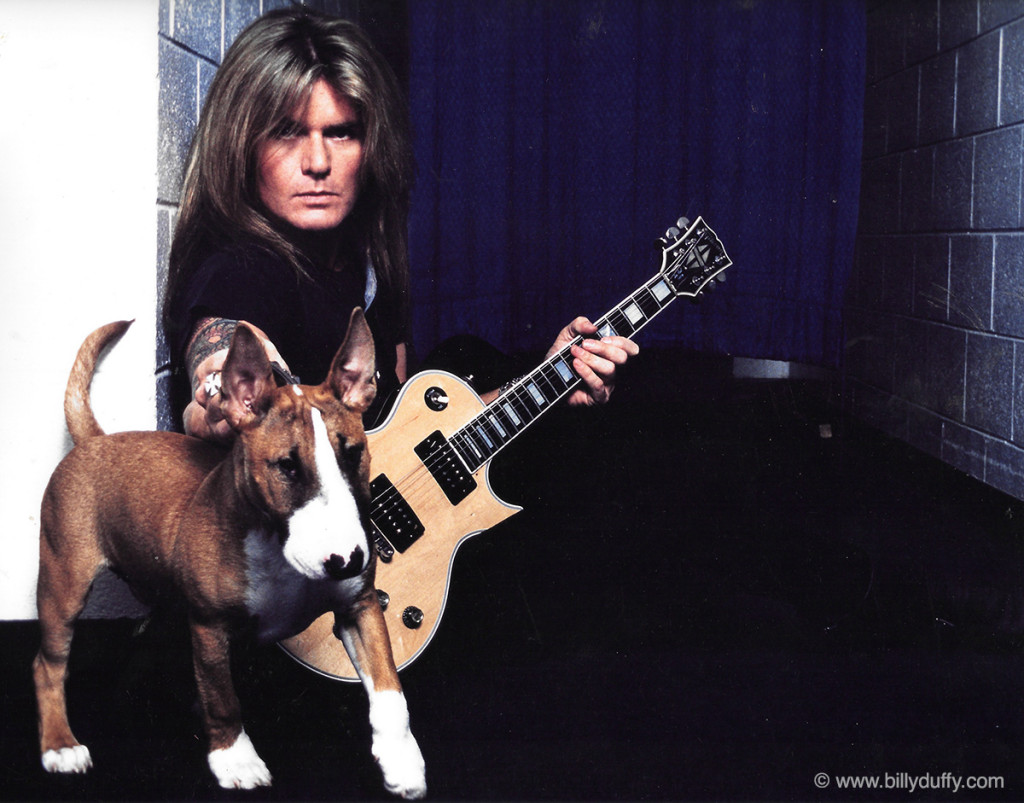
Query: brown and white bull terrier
[[264, 537]]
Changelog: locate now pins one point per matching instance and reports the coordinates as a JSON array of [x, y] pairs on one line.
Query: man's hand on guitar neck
[[594, 359]]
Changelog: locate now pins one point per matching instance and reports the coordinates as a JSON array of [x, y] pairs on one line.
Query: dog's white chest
[[283, 601]]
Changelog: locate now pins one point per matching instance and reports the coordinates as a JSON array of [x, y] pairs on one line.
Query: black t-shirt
[[305, 319]]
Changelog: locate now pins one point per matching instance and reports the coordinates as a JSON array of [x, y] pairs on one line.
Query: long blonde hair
[[268, 73]]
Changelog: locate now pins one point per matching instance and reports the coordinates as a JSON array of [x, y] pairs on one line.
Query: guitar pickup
[[445, 467], [394, 519]]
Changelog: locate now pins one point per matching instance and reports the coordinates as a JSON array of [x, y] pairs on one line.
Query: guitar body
[[418, 578]]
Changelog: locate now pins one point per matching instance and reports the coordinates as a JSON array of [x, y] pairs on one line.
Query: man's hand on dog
[[203, 417]]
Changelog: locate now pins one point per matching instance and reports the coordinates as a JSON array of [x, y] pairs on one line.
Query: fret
[[492, 418], [546, 381], [477, 437], [534, 394], [662, 292], [634, 314], [564, 370], [620, 323], [479, 431], [605, 329], [469, 454], [509, 410], [648, 304], [491, 432]]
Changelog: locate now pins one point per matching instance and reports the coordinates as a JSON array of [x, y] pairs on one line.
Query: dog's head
[[302, 450]]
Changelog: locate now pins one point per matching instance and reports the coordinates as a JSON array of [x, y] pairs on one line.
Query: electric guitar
[[430, 457]]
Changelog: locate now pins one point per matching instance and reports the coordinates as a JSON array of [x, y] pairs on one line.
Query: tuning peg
[[720, 277], [672, 233], [683, 223]]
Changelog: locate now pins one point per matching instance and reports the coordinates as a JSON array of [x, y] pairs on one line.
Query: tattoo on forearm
[[211, 335]]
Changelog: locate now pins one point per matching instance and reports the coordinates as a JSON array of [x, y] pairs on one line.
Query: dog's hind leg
[[64, 583], [364, 633]]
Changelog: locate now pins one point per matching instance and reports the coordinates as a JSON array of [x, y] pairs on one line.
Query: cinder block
[[928, 364], [997, 179], [977, 90], [924, 430], [958, 22], [910, 361], [963, 448], [196, 25], [917, 170], [951, 195], [879, 195], [970, 281], [885, 42], [1012, 79], [238, 14], [938, 96], [177, 117], [1004, 467], [868, 348], [993, 13], [988, 404], [922, 34], [1018, 395], [1008, 286], [931, 277], [903, 90]]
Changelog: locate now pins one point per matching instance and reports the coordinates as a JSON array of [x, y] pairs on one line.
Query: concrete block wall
[[935, 310], [192, 39]]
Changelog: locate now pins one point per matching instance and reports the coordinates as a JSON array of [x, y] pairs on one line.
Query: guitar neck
[[690, 261], [534, 393]]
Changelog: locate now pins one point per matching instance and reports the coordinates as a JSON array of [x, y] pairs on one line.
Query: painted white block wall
[[78, 136]]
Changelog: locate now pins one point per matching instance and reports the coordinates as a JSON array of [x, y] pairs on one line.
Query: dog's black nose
[[338, 568]]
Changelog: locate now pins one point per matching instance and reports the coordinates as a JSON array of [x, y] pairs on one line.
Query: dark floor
[[704, 599]]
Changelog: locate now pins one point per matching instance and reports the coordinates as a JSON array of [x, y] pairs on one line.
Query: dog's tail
[[78, 413]]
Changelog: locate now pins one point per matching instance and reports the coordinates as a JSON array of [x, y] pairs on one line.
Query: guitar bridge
[[445, 467], [394, 519]]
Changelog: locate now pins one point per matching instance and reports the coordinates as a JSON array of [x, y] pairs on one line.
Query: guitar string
[[407, 486]]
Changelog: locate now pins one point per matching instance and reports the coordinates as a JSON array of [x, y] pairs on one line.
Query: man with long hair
[[294, 211]]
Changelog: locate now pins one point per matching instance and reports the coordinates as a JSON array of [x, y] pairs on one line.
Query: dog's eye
[[352, 453], [289, 467]]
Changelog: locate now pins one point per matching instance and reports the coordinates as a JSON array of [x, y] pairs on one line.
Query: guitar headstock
[[692, 257]]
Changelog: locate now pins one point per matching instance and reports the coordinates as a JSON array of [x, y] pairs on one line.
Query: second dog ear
[[353, 371], [246, 379]]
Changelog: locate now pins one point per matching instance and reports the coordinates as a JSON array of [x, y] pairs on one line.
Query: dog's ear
[[353, 373], [246, 379]]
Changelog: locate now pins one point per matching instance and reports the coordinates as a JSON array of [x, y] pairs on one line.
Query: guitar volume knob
[[384, 598], [412, 617]]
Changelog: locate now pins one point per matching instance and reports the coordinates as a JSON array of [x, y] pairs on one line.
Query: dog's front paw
[[68, 759], [402, 765], [394, 746], [239, 766]]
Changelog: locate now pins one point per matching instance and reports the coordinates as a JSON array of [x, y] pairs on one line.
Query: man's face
[[309, 168]]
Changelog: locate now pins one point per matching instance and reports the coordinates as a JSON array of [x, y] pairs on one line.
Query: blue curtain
[[557, 140]]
